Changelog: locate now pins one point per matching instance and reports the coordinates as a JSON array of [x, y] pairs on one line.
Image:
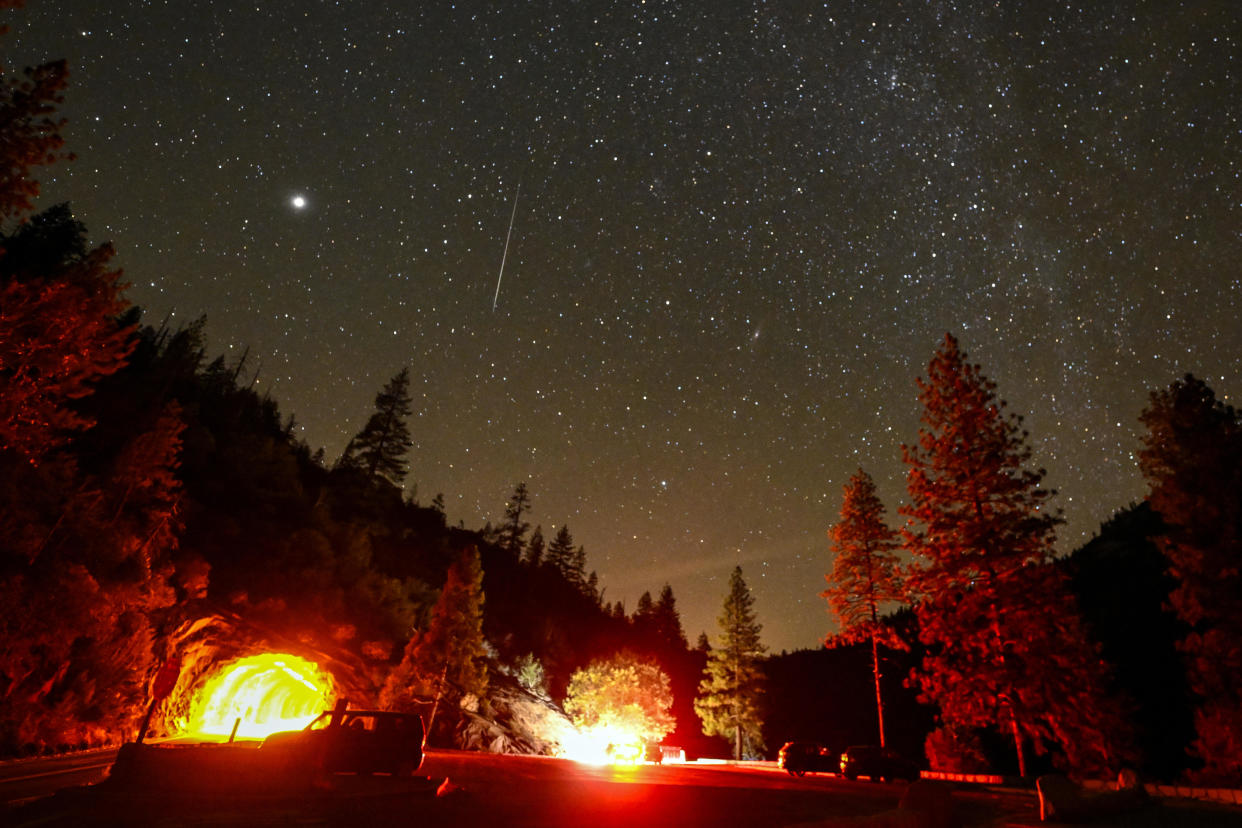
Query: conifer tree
[[30, 127], [1001, 628], [534, 548], [60, 303], [512, 533], [561, 551], [576, 573], [84, 548], [864, 574], [668, 621], [380, 448], [1192, 459], [447, 661], [729, 694]]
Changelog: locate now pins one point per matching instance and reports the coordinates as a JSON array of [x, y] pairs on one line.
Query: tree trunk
[[1017, 743], [875, 668], [435, 705], [737, 747]]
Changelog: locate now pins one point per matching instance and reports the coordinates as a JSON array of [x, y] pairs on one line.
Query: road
[[29, 779], [486, 790], [502, 791]]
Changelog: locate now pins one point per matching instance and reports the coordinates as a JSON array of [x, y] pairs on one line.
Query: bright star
[[298, 202]]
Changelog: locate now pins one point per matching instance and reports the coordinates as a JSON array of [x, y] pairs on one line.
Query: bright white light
[[298, 202]]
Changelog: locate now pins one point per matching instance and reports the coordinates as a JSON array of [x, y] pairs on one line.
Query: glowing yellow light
[[602, 746], [268, 692]]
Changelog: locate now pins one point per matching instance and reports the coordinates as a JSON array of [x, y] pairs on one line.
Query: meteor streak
[[505, 255]]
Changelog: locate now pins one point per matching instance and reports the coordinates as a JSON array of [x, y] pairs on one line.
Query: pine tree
[[668, 628], [1001, 628], [447, 661], [576, 571], [512, 534], [1192, 459], [561, 551], [60, 303], [534, 548], [380, 448], [83, 547], [29, 130], [864, 574], [729, 694]]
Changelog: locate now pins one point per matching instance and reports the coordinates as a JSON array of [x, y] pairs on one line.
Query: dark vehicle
[[880, 764], [357, 741], [801, 758]]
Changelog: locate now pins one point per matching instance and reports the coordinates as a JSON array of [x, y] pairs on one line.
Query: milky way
[[743, 230]]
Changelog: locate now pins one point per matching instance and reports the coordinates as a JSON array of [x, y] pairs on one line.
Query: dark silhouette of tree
[[668, 630], [1123, 583], [30, 127], [512, 536], [381, 447], [1192, 459], [561, 552], [447, 661], [533, 556], [728, 701], [1000, 625], [576, 573], [864, 575]]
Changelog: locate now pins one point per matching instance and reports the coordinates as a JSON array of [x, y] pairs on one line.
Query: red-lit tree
[[1002, 631], [1192, 459], [84, 554], [864, 574], [448, 660]]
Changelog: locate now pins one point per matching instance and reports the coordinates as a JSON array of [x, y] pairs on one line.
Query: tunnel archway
[[261, 694]]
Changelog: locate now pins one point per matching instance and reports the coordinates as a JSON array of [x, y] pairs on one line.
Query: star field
[[740, 234]]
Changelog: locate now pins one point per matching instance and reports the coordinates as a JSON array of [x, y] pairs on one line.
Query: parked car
[[358, 741], [801, 758], [880, 764]]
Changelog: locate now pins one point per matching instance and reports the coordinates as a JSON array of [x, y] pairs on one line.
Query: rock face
[[512, 720]]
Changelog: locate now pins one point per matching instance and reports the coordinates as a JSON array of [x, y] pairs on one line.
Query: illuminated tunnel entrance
[[268, 693]]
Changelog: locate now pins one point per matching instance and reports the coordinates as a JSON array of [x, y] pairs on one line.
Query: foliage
[[729, 694], [84, 576], [531, 675], [864, 574], [380, 448], [999, 622], [626, 693], [85, 537], [513, 530], [1192, 459], [560, 554], [1122, 582], [447, 661], [660, 622], [59, 331], [952, 749], [29, 130]]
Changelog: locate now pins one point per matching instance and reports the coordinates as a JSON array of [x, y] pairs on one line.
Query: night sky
[[741, 230]]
